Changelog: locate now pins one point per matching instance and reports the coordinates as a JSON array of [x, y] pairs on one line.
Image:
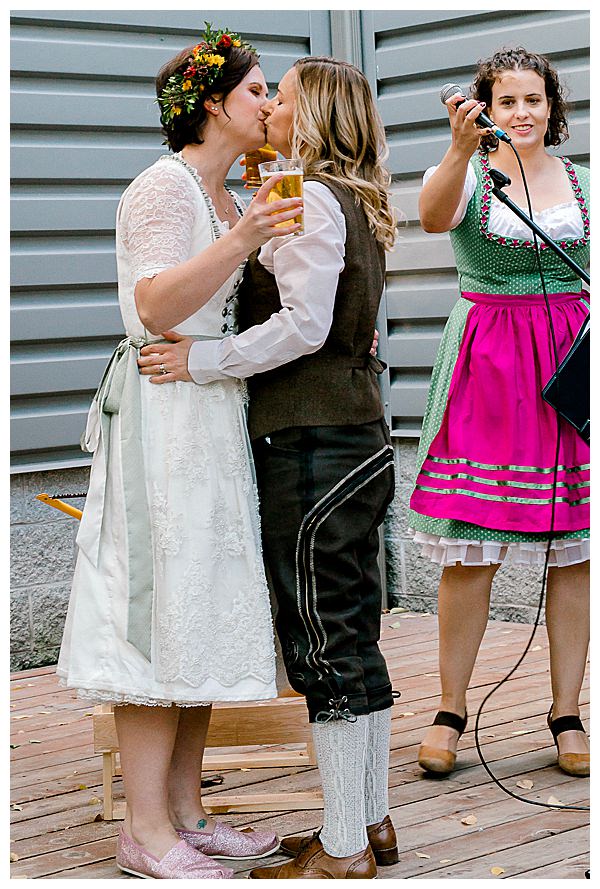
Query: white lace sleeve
[[156, 217]]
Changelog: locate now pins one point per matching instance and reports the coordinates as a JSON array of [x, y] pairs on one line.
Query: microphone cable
[[554, 349]]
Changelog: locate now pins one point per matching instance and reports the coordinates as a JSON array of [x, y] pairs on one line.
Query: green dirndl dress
[[462, 507]]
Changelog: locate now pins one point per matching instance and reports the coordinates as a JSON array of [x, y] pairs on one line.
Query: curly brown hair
[[507, 59], [187, 128]]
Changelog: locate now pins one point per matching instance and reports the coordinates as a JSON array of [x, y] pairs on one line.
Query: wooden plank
[[514, 851], [55, 834], [567, 869], [35, 671]]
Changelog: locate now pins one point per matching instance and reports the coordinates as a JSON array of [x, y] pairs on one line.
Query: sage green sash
[[119, 393]]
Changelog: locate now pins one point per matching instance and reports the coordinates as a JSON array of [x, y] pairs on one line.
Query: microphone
[[452, 89]]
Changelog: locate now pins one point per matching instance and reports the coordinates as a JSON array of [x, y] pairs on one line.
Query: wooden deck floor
[[58, 831]]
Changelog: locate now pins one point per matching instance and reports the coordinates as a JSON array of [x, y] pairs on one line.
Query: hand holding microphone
[[464, 114]]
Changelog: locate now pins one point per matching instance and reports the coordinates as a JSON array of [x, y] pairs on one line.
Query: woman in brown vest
[[323, 457]]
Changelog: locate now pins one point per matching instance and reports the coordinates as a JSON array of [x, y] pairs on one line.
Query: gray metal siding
[[84, 123], [409, 56]]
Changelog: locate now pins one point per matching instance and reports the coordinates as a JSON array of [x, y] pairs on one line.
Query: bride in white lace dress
[[170, 604]]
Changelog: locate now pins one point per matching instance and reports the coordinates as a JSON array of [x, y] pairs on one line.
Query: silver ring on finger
[[162, 369]]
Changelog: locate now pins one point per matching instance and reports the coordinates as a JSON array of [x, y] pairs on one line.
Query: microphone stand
[[575, 365], [500, 179]]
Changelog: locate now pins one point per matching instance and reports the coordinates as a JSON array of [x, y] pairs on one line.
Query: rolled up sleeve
[[307, 270]]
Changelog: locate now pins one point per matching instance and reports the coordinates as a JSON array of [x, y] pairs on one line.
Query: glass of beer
[[288, 187], [253, 159]]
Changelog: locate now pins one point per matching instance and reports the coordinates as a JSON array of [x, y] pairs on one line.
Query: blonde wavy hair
[[339, 135]]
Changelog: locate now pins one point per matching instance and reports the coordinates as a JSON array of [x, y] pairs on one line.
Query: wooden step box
[[282, 721]]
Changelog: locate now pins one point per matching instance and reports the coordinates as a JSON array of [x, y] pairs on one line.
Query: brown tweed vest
[[337, 385]]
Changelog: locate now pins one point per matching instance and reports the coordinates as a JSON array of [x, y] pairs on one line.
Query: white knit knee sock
[[341, 749], [377, 767]]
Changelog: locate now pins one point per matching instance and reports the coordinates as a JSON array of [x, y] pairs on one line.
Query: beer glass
[[290, 186], [253, 159]]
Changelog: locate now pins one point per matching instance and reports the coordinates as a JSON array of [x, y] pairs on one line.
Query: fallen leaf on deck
[[546, 832], [14, 856], [525, 784], [408, 713], [396, 625], [470, 819], [434, 675], [34, 741], [93, 801], [14, 746], [99, 817], [536, 648], [524, 731], [17, 808], [496, 871], [82, 787], [445, 861], [552, 801], [398, 610], [422, 855], [245, 770], [24, 716], [45, 712]]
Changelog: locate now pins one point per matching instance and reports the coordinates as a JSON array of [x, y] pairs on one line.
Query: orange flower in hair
[[182, 91]]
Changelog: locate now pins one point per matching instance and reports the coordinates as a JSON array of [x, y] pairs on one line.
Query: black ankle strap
[[565, 724], [452, 720]]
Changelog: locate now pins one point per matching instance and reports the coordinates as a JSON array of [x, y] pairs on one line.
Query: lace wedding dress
[[211, 633]]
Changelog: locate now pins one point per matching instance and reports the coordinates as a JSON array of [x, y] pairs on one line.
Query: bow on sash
[[119, 393]]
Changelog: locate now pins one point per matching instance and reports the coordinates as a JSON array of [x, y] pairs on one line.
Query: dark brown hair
[[488, 71], [186, 129]]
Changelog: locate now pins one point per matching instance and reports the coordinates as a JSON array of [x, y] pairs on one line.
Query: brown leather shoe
[[382, 839], [383, 842], [313, 863]]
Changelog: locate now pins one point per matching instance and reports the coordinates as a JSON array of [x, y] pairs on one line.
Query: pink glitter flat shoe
[[182, 862], [225, 842]]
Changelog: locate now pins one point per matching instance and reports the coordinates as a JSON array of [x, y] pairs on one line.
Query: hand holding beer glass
[[289, 186], [251, 161]]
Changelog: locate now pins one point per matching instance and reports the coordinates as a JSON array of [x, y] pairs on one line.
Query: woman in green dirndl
[[486, 461]]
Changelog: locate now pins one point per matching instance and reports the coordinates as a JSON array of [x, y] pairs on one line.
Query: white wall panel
[[408, 57], [84, 124]]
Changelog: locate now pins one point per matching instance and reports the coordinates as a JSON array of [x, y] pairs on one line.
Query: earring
[[214, 108]]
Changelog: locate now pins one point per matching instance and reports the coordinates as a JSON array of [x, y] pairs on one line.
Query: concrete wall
[[42, 541], [42, 549]]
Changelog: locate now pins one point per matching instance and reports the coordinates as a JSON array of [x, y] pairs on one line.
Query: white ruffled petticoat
[[446, 551]]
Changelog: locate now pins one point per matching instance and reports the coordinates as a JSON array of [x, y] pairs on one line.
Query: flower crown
[[183, 91]]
